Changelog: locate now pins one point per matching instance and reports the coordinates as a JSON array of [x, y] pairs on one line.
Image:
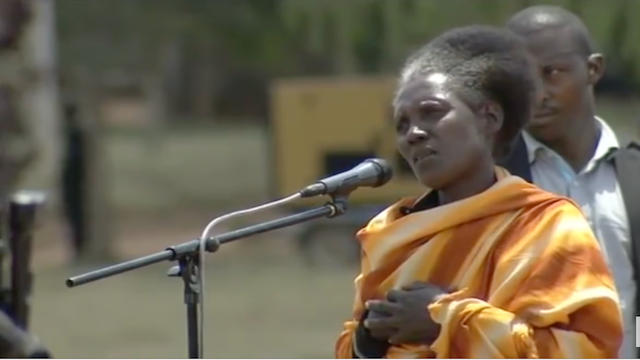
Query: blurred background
[[142, 120]]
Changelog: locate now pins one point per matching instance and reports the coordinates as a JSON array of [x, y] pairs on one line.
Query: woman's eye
[[432, 112], [401, 124]]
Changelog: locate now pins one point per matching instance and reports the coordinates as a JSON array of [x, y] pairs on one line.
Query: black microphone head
[[370, 173], [385, 171]]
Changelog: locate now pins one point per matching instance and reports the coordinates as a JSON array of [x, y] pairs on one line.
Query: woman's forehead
[[420, 88], [433, 84]]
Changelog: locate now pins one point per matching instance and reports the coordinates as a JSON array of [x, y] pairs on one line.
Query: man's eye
[[552, 71]]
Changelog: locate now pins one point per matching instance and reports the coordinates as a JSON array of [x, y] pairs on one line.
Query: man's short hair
[[484, 63], [541, 17]]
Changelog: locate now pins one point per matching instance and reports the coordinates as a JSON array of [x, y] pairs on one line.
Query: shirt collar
[[608, 141]]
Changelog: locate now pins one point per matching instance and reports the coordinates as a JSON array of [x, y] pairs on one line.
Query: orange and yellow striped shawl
[[532, 281]]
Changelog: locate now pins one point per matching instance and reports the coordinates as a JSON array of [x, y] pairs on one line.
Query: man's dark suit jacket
[[627, 163]]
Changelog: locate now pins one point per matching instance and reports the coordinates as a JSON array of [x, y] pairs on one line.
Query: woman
[[512, 271]]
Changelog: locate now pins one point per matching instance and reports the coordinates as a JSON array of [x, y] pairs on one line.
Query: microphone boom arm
[[174, 253]]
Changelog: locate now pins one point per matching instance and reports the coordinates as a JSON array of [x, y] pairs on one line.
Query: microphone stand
[[186, 254]]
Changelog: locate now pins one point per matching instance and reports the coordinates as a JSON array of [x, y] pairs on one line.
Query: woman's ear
[[494, 117]]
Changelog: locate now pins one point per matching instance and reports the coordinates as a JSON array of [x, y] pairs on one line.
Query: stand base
[[188, 270]]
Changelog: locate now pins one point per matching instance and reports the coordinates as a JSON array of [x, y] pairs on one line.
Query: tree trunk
[[316, 34], [41, 93], [343, 21], [393, 34], [204, 84]]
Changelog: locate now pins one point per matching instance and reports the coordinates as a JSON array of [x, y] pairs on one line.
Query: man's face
[[567, 75]]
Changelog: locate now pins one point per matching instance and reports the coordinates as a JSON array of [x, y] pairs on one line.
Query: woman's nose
[[416, 135]]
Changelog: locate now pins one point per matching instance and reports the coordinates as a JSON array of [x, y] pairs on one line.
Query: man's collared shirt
[[595, 188]]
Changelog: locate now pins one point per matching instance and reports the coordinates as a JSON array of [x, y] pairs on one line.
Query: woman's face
[[440, 136]]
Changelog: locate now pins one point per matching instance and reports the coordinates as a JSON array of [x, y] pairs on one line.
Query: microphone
[[369, 173]]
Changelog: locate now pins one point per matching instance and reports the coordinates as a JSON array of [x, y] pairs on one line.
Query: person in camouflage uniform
[[17, 151], [17, 144]]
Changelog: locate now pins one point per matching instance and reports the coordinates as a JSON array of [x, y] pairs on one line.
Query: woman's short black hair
[[484, 63]]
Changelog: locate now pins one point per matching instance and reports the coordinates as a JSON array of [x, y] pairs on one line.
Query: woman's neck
[[476, 181]]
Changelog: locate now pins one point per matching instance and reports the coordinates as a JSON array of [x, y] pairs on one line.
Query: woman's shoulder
[[553, 208], [540, 198], [538, 208], [557, 205], [553, 224], [557, 218]]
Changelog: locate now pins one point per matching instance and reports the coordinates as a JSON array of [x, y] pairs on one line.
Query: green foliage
[[279, 37]]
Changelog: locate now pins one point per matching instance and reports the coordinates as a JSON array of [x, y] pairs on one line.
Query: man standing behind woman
[[569, 151], [485, 264]]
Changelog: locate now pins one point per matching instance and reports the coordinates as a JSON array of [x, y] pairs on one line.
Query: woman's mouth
[[422, 155]]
